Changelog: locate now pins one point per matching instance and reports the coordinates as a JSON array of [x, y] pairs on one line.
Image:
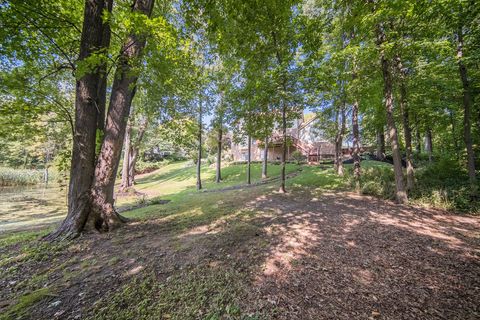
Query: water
[[31, 206]]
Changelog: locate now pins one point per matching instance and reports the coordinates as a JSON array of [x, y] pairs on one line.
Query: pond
[[31, 206]]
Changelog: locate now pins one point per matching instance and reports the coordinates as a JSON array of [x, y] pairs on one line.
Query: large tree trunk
[[103, 215], [249, 157], [406, 126], [380, 153], [408, 138], [86, 116], [265, 160], [400, 194], [356, 133], [199, 159], [284, 151], [356, 146], [218, 175], [467, 112]]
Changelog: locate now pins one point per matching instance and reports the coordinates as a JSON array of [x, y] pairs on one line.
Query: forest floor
[[317, 252]]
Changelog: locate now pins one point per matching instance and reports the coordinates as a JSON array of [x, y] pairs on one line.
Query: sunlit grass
[[178, 179]]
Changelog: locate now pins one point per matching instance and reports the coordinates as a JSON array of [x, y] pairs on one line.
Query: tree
[[263, 37], [199, 140], [86, 115], [400, 194], [467, 98], [136, 127], [91, 202], [406, 123]]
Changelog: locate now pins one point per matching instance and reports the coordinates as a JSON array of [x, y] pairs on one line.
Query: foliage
[[445, 184], [298, 156], [148, 166]]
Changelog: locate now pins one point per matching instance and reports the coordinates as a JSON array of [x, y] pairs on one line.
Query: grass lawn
[[178, 179]]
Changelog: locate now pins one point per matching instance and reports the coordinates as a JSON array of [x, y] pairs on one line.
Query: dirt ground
[[298, 256]]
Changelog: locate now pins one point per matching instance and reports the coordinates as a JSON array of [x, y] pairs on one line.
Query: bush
[[298, 157], [211, 159], [442, 184], [378, 181], [142, 167], [445, 184], [19, 177]]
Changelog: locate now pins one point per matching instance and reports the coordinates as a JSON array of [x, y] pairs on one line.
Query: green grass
[[314, 177], [25, 302], [16, 237], [30, 250], [178, 179], [195, 293]]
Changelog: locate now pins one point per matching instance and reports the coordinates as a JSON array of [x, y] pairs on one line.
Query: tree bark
[[86, 116], [104, 216], [265, 160], [284, 151], [249, 156], [131, 165], [339, 140], [218, 175], [199, 160], [400, 194], [125, 184], [467, 112], [418, 138], [356, 132], [408, 138], [284, 118], [380, 153], [356, 146], [406, 126]]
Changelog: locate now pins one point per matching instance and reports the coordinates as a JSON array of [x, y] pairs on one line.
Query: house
[[301, 137]]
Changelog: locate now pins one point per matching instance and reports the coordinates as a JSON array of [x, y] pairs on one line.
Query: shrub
[[142, 167], [378, 181], [441, 184], [298, 157], [445, 184]]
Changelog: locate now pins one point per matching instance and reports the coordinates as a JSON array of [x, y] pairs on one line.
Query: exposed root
[[75, 221]]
